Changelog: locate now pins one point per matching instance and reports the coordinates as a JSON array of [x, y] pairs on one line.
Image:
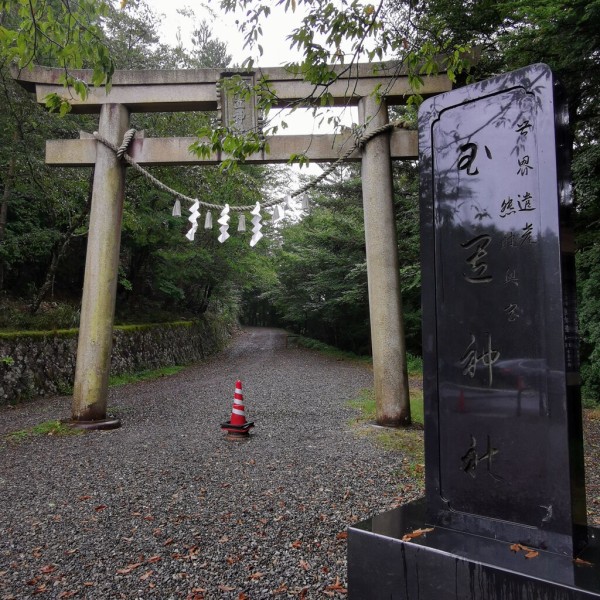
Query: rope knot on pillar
[[127, 138]]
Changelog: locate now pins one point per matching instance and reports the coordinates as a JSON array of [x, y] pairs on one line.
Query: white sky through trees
[[277, 27], [276, 48]]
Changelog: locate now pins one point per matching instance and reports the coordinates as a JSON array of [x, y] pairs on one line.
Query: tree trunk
[[59, 252], [8, 187]]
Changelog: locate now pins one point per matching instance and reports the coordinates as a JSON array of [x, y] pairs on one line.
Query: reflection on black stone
[[493, 307]]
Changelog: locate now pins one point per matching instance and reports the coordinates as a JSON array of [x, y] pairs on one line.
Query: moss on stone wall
[[39, 363]]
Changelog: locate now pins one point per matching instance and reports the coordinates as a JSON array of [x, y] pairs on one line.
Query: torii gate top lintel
[[196, 89]]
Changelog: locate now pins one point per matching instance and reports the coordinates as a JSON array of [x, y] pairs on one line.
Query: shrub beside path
[[167, 507]]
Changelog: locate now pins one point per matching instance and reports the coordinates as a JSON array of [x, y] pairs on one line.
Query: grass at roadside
[[56, 428], [144, 375], [48, 428], [406, 440], [414, 363], [332, 351], [594, 414]]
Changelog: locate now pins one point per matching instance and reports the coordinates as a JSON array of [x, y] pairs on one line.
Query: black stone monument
[[505, 493]]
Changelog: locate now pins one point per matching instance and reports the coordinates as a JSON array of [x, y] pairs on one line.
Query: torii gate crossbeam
[[185, 90]]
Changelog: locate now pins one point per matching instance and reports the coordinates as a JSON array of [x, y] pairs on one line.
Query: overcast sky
[[276, 50], [277, 27]]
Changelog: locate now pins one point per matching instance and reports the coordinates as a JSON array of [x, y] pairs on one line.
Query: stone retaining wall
[[42, 363]]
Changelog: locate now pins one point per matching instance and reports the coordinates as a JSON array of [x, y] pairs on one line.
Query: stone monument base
[[449, 565]]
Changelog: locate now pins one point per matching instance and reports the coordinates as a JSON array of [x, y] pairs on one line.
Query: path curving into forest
[[167, 507]]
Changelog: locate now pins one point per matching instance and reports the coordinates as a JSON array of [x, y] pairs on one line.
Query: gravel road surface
[[167, 507]]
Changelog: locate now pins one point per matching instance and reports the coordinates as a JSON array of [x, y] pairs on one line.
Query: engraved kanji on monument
[[503, 424]]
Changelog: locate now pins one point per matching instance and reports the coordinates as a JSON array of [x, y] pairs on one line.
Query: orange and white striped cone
[[237, 425]]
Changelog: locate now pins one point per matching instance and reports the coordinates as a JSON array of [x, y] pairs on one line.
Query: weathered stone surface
[[37, 364], [195, 89], [175, 151]]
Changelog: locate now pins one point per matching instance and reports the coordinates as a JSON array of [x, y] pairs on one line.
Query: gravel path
[[167, 507]]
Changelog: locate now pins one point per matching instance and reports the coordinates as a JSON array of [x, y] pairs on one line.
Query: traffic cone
[[237, 425]]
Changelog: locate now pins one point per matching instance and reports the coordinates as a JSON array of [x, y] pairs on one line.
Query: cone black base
[[237, 429]]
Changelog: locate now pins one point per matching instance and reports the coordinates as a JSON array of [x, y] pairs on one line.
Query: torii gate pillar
[[383, 271], [100, 284]]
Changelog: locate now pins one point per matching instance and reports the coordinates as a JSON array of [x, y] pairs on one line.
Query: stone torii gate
[[198, 90]]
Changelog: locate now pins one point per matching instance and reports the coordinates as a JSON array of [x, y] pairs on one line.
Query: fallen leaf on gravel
[[281, 589], [126, 570], [82, 498], [416, 533], [583, 563], [223, 539], [148, 518], [71, 551], [100, 507], [337, 587], [43, 588], [89, 583], [263, 521], [243, 596], [226, 588], [48, 569], [168, 542], [256, 576], [147, 574], [532, 554], [325, 570], [154, 559], [342, 535], [67, 594], [296, 544], [304, 565]]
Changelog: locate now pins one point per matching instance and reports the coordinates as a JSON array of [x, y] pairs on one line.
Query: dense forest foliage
[[307, 274]]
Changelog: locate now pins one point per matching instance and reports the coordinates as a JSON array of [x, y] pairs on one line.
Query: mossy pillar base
[[385, 302], [101, 268]]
